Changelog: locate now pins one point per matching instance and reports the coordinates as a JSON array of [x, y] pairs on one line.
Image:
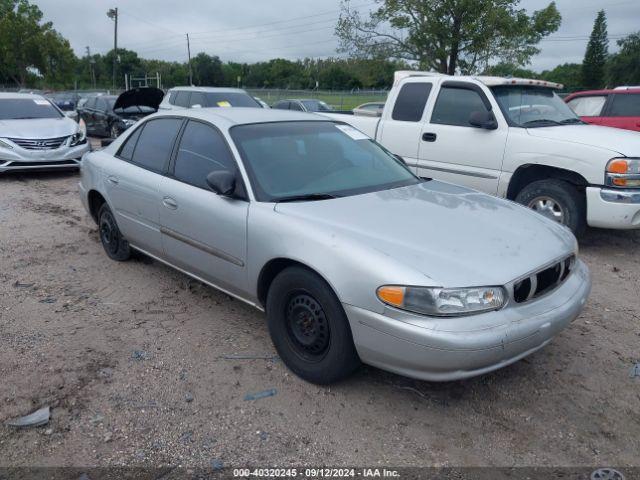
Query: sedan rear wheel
[[114, 244], [309, 327]]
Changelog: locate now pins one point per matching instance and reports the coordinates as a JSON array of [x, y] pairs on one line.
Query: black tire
[[309, 328], [114, 244], [567, 199]]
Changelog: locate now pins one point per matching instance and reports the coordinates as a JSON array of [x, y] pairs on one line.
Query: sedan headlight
[[4, 145], [443, 302], [623, 172], [79, 137]]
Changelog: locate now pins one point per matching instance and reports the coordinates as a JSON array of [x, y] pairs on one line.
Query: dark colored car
[[304, 105], [619, 108], [109, 116]]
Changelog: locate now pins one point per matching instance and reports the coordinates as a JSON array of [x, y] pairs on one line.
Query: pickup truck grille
[[543, 281], [39, 144]]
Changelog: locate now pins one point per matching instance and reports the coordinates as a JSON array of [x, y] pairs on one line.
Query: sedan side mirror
[[486, 120], [222, 182]]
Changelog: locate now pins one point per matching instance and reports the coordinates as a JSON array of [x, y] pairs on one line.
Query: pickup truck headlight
[[443, 302], [623, 172]]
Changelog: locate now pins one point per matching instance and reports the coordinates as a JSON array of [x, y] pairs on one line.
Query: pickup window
[[411, 102], [627, 105], [455, 106]]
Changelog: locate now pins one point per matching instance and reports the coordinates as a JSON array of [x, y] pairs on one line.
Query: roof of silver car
[[14, 95], [209, 89], [242, 116]]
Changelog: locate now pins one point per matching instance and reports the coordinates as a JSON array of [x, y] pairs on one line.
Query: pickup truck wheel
[[557, 200], [309, 328], [114, 244]]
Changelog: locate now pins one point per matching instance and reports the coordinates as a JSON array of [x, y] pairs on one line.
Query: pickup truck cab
[[514, 138]]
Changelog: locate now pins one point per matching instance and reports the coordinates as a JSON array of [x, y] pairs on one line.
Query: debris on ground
[[264, 394], [35, 419], [216, 464], [250, 357], [140, 355], [18, 284], [188, 397], [49, 300], [635, 371]]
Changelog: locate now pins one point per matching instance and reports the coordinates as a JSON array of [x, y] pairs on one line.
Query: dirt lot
[[131, 358]]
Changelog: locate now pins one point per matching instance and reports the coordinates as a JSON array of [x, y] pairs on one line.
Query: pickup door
[[453, 150]]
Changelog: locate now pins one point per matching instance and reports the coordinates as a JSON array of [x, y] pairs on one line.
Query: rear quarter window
[[625, 105], [411, 102]]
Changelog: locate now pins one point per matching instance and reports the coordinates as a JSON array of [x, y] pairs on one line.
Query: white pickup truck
[[514, 138]]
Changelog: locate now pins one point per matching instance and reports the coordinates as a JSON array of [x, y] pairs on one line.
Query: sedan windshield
[[315, 161], [27, 108], [531, 107]]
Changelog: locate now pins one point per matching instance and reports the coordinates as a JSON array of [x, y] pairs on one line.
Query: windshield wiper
[[306, 197], [541, 122], [571, 121]]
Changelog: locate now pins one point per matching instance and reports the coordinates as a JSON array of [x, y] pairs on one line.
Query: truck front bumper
[[445, 353], [613, 208], [21, 160]]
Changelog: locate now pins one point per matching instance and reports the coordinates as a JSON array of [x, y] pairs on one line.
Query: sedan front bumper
[[20, 159], [451, 349]]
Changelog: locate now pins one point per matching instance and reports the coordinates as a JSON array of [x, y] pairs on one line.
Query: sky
[[255, 30]]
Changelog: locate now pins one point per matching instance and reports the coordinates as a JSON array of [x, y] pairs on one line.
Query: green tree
[[595, 58], [624, 67], [30, 47], [207, 70], [447, 35], [568, 74]]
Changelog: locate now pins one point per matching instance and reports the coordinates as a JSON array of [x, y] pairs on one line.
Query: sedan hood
[[455, 236], [139, 97], [624, 142], [38, 128]]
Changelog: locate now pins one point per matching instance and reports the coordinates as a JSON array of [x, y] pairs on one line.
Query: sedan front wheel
[[309, 328]]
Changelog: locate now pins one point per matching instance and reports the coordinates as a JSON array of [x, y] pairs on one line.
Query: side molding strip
[[201, 246]]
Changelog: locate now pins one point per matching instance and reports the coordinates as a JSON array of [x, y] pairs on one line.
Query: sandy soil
[[131, 359]]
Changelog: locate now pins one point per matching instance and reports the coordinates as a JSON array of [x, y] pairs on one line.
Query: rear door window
[[625, 105], [411, 102], [154, 146], [182, 98], [202, 150], [588, 106], [455, 106]]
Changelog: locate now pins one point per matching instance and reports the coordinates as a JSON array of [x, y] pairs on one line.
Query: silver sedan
[[353, 257], [36, 135]]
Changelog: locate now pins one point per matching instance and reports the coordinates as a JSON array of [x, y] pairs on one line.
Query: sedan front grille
[[543, 281], [39, 144]]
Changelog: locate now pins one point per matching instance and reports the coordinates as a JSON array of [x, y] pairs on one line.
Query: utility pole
[[91, 71], [189, 54], [113, 15]]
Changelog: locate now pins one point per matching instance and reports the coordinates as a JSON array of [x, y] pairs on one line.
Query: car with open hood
[[110, 115], [36, 135], [353, 257]]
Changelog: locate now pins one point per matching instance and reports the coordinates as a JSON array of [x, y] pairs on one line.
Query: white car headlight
[[79, 137], [443, 302]]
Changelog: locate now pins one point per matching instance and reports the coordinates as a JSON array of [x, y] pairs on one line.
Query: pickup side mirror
[[486, 120], [222, 182]]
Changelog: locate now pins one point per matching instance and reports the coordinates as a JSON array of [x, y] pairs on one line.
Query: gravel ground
[[133, 359]]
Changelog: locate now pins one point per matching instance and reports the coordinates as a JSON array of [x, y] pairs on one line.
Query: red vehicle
[[619, 108]]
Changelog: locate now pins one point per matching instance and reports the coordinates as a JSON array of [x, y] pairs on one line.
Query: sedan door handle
[[113, 180], [170, 203], [429, 137]]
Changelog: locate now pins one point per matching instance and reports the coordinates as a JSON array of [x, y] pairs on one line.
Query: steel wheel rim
[[109, 232], [548, 207], [307, 326]]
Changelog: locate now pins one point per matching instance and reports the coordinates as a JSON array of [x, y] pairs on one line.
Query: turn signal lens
[[392, 295], [618, 166]]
